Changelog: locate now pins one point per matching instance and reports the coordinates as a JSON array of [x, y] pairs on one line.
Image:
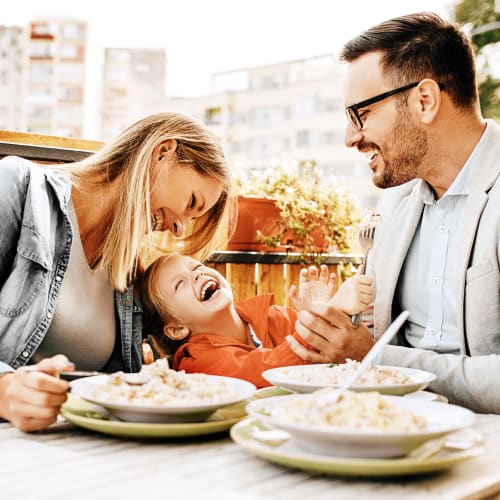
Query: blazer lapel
[[390, 254]]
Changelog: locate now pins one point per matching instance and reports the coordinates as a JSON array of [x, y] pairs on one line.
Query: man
[[413, 109]]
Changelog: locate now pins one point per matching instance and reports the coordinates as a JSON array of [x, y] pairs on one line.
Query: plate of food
[[391, 380], [258, 439], [158, 394], [95, 418], [359, 424]]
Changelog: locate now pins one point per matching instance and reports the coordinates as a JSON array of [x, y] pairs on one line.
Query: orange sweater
[[219, 355]]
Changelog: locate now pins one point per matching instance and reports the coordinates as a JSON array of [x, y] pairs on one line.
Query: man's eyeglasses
[[353, 110]]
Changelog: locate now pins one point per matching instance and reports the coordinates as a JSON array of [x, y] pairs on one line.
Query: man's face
[[393, 144], [193, 293]]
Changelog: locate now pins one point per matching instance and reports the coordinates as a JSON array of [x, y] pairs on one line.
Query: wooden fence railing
[[249, 273]]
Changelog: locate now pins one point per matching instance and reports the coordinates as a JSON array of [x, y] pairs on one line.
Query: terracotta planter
[[255, 214], [262, 214], [318, 241]]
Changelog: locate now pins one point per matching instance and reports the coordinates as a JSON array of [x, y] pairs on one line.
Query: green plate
[[89, 416], [284, 452]]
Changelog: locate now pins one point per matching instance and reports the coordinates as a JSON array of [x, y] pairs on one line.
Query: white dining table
[[69, 462]]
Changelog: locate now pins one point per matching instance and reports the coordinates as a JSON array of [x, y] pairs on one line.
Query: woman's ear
[[165, 149], [175, 331]]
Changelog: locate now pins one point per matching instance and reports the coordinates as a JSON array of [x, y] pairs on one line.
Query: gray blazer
[[471, 379]]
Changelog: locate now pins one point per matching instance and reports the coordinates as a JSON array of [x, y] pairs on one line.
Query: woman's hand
[[31, 396], [331, 333]]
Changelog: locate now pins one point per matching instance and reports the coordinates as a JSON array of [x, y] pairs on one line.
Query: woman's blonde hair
[[128, 160]]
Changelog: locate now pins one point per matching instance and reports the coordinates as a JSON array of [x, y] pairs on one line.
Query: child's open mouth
[[208, 289]]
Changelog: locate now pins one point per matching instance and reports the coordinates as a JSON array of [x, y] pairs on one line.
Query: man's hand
[[332, 333], [31, 396]]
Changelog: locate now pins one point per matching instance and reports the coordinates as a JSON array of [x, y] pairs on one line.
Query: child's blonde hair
[[155, 315]]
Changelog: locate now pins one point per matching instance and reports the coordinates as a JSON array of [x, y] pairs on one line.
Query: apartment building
[[12, 71], [290, 111], [134, 85], [55, 77]]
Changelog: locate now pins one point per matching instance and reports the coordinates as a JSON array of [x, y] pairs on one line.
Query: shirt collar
[[460, 186]]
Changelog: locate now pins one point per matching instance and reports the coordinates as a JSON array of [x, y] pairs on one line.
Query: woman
[[70, 240]]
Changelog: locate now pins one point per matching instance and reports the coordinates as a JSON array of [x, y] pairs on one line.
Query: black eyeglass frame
[[352, 110]]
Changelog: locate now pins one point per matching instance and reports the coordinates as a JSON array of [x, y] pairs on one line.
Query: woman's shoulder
[[14, 167], [15, 174]]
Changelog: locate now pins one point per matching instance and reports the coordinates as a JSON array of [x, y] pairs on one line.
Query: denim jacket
[[35, 236]]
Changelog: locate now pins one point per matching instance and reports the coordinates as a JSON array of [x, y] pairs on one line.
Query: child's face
[[192, 292]]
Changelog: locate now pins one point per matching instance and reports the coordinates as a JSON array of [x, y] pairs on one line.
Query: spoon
[[129, 378], [376, 349]]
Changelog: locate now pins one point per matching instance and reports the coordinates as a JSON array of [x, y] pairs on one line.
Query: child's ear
[[175, 331]]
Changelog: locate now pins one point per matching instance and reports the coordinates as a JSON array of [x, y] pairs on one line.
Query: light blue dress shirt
[[428, 284]]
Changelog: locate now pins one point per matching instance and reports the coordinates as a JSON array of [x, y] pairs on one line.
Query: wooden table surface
[[67, 462]]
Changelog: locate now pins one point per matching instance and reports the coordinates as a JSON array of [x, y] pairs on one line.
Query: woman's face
[[179, 195]]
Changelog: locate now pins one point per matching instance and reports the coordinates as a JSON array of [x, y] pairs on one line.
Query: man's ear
[[175, 331], [429, 100], [165, 149]]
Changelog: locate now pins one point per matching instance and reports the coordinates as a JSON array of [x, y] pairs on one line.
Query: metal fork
[[366, 237]]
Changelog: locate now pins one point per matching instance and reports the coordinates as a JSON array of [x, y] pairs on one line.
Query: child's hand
[[354, 295], [312, 287]]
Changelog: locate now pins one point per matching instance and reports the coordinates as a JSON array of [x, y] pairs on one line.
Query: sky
[[203, 37]]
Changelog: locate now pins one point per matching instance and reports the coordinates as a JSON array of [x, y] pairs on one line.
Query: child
[[192, 305]]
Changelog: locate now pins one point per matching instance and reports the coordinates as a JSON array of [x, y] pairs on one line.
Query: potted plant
[[305, 212]]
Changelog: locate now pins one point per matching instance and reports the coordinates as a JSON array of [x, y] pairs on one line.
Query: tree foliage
[[482, 16]]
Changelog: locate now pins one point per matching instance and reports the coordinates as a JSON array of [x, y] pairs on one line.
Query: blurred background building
[[133, 86], [54, 75], [12, 71], [52, 78]]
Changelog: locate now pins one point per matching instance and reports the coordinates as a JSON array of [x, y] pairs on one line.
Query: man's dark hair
[[418, 46]]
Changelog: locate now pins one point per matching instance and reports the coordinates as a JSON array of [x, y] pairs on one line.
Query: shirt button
[[437, 280], [434, 332], [25, 354], [443, 228]]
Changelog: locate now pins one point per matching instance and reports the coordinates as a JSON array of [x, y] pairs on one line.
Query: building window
[[69, 51], [303, 138], [40, 73], [70, 73], [268, 117], [331, 137], [42, 49], [69, 93], [306, 106]]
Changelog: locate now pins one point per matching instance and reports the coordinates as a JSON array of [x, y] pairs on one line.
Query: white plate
[[362, 443], [284, 377], [249, 432], [85, 387]]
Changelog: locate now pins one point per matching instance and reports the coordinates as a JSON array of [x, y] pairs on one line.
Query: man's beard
[[409, 146]]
